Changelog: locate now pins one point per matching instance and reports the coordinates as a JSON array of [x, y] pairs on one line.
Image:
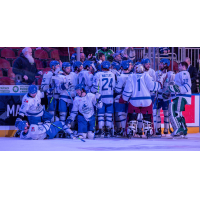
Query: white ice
[[102, 144]]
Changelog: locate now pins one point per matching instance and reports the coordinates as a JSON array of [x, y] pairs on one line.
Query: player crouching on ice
[[83, 106], [137, 92], [181, 95], [42, 130]]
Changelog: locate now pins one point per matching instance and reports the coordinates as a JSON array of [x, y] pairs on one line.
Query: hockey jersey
[[67, 87], [84, 106], [169, 80], [120, 84], [32, 106], [40, 131], [137, 89], [86, 78], [104, 82], [46, 81], [183, 80]]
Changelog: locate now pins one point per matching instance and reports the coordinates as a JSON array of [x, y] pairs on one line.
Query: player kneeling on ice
[[137, 92], [181, 95], [42, 130], [83, 106], [32, 108]]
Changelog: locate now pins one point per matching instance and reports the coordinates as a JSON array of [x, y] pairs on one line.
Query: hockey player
[[77, 67], [181, 95], [67, 91], [40, 131], [83, 106], [115, 69], [53, 91], [104, 83], [159, 101], [85, 77], [32, 108], [137, 92], [121, 109], [47, 75]]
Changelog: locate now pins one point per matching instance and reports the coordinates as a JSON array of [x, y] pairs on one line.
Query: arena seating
[[4, 63], [38, 63], [41, 54], [7, 53], [6, 81], [55, 55]]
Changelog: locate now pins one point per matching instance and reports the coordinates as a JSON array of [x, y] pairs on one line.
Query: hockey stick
[[68, 133], [96, 115]]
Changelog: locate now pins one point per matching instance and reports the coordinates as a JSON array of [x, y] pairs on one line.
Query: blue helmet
[[105, 65], [77, 64], [32, 89], [165, 61], [125, 64], [116, 65], [130, 61], [137, 63], [147, 61], [142, 61], [22, 125], [54, 63], [66, 64], [80, 87], [86, 64]]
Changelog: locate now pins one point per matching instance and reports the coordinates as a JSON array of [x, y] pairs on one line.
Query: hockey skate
[[108, 133], [158, 133], [119, 132]]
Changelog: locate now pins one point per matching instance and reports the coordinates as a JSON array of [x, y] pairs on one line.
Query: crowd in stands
[[12, 59]]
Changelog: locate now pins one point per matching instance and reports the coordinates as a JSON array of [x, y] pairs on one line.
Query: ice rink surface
[[102, 144]]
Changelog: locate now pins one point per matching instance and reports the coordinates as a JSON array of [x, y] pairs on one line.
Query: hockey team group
[[111, 100]]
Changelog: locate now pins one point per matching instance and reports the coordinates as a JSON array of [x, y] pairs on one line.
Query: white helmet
[[139, 68]]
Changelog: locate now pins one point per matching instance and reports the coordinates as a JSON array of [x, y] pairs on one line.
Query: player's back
[[106, 81]]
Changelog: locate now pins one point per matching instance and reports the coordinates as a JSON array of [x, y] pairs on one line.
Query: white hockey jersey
[[32, 106], [169, 80], [137, 89], [105, 83], [183, 80], [46, 81], [120, 84], [84, 106], [67, 87], [86, 78]]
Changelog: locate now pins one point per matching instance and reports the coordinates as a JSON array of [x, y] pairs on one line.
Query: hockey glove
[[98, 96], [17, 122], [166, 95], [50, 90], [68, 122]]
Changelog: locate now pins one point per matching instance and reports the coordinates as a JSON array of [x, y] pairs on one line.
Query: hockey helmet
[[77, 64], [54, 63], [66, 64], [130, 61], [86, 64], [142, 61], [32, 89], [115, 65], [139, 68], [80, 87], [125, 64], [22, 125], [146, 61], [105, 65], [165, 61], [137, 63]]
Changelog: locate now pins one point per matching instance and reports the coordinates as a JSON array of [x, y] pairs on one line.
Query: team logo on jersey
[[33, 129], [40, 128], [26, 101], [86, 109]]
